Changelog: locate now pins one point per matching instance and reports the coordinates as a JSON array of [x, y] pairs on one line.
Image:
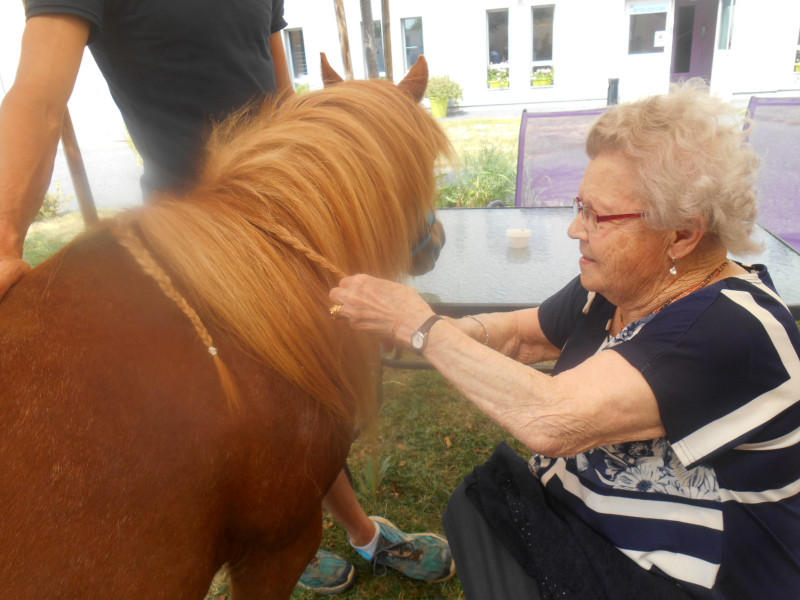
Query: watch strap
[[423, 331]]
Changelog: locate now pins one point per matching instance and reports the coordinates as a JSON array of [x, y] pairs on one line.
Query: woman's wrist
[[484, 337]]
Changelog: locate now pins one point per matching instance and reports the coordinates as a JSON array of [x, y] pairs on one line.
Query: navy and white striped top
[[716, 503]]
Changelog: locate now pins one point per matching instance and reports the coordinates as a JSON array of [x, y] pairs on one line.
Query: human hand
[[11, 269], [383, 308], [425, 259]]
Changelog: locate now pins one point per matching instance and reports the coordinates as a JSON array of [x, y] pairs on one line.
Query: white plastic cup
[[518, 238]]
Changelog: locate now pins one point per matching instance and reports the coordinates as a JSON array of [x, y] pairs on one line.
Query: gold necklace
[[685, 293]]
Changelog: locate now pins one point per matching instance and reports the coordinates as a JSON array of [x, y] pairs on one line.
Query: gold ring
[[335, 310]]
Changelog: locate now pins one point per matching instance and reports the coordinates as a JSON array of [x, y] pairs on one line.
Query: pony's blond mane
[[292, 196]]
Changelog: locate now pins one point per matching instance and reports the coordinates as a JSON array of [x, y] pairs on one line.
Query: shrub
[[486, 175], [52, 204], [441, 87]]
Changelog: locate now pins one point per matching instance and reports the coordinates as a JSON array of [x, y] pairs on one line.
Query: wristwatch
[[419, 339]]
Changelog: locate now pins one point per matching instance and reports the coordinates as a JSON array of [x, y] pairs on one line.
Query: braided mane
[[292, 195]]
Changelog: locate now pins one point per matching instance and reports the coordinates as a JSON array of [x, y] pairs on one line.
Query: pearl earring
[[674, 269]]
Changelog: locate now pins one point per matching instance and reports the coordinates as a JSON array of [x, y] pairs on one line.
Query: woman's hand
[[382, 308]]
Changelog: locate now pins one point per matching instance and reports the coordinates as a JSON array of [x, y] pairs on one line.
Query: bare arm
[[30, 126], [516, 334], [283, 78], [604, 400]]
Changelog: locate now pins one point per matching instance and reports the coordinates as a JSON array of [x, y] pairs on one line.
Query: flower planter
[[439, 107], [498, 84], [542, 82]]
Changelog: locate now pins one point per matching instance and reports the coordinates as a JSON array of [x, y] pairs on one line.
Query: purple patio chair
[[551, 157], [776, 137]]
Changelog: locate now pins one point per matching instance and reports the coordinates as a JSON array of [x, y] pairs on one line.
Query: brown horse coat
[[126, 472]]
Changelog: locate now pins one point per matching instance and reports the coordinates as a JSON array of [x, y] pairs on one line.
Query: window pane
[[543, 32], [412, 40], [643, 30], [497, 21], [497, 36], [726, 24], [297, 52]]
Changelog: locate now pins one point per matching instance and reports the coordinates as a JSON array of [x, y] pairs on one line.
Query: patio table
[[478, 271]]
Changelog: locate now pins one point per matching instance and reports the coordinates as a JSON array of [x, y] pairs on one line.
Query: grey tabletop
[[479, 272]]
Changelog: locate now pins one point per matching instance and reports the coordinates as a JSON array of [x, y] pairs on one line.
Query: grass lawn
[[45, 238], [469, 135]]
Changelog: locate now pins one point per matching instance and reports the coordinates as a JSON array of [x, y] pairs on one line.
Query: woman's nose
[[577, 229]]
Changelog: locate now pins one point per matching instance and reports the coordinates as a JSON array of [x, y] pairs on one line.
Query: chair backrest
[[552, 157], [776, 138]]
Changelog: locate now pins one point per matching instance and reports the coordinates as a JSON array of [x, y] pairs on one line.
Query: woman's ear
[[684, 241]]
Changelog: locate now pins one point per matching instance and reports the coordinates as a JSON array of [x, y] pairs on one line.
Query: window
[[297, 54], [497, 35], [378, 33], [648, 23], [412, 40], [542, 57], [726, 24]]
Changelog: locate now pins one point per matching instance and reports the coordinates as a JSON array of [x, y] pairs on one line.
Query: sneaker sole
[[452, 572]]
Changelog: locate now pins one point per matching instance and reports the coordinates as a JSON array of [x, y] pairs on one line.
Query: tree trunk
[[387, 39], [368, 29], [344, 41]]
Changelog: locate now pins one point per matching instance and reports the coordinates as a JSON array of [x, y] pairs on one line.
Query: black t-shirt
[[174, 67]]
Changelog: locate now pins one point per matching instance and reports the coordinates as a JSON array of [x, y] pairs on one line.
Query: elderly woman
[[667, 442]]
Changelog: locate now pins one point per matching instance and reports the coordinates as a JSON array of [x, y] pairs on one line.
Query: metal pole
[[78, 171]]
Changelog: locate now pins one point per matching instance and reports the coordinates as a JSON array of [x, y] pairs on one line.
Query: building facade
[[527, 52]]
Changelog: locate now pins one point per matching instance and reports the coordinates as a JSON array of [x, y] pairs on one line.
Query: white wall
[[762, 53], [590, 47]]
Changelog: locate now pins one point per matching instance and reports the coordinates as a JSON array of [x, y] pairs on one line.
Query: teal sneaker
[[424, 556], [328, 574]]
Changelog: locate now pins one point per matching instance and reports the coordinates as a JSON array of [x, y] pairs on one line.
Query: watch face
[[417, 340]]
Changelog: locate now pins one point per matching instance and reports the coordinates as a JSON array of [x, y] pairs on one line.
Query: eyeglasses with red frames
[[590, 216]]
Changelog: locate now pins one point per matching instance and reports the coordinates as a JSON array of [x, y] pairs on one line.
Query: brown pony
[[133, 468]]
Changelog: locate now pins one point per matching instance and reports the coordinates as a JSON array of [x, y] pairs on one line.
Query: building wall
[[590, 46]]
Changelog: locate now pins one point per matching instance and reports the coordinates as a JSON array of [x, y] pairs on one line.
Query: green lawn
[[45, 238], [470, 135]]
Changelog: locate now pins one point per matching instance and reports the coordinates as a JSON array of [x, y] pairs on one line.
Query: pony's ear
[[416, 82], [329, 76]]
